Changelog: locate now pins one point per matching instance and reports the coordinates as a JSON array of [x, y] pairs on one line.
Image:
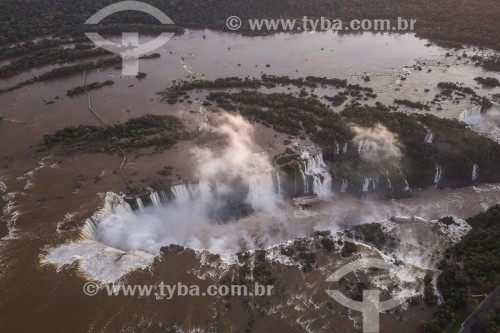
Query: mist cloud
[[377, 143], [235, 180]]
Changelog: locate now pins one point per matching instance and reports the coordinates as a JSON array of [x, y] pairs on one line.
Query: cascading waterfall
[[474, 111], [439, 173], [322, 187], [337, 148], [181, 192], [429, 138], [374, 184], [316, 168], [261, 186], [315, 176], [279, 182], [366, 185], [139, 203], [364, 146], [345, 148], [155, 199], [360, 146], [305, 182], [345, 185], [475, 172], [295, 179], [389, 183], [407, 186]]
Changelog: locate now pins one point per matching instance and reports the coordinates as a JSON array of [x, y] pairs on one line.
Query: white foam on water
[[10, 213], [97, 261], [28, 176], [3, 187]]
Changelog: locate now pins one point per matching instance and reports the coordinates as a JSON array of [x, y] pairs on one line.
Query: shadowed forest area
[[450, 21]]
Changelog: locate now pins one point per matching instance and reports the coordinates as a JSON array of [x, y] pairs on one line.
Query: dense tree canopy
[[146, 131], [474, 261]]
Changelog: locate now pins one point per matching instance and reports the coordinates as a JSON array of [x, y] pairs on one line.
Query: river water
[[46, 191]]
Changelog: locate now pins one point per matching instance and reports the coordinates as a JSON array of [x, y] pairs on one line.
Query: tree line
[[450, 22]]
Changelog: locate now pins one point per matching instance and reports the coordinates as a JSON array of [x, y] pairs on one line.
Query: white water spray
[[363, 146], [471, 112], [316, 167], [155, 199], [139, 203], [429, 138], [366, 185]]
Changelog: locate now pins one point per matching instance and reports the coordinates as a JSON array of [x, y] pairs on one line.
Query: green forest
[[67, 70], [92, 86], [49, 57], [145, 131], [473, 262]]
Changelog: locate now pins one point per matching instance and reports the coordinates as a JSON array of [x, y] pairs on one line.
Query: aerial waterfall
[[155, 199], [279, 183], [429, 138], [295, 183], [337, 148], [439, 174], [305, 182], [259, 191], [260, 186], [139, 203], [389, 183], [181, 192], [364, 146], [407, 186], [366, 185], [474, 111], [315, 167], [345, 184], [475, 172]]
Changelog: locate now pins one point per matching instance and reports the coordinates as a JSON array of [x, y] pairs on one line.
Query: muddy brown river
[[48, 196]]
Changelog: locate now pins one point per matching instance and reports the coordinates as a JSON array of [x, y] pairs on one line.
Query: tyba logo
[[371, 307], [129, 49]]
